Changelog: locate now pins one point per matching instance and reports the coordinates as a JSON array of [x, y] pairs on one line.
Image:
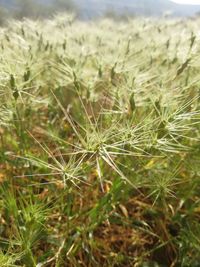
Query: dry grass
[[99, 143]]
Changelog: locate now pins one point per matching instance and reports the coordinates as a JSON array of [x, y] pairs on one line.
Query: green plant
[[99, 142]]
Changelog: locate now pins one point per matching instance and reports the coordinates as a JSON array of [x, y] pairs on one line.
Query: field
[[99, 143]]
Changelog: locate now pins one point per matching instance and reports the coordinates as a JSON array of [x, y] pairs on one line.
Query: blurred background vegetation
[[90, 9], [19, 9]]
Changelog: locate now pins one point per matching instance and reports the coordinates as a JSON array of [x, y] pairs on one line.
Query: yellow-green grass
[[99, 151]]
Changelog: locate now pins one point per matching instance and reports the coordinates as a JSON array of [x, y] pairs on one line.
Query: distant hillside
[[93, 8]]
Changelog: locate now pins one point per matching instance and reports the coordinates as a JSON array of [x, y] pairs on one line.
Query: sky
[[187, 2]]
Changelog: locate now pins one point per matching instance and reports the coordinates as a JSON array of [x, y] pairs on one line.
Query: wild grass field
[[99, 143]]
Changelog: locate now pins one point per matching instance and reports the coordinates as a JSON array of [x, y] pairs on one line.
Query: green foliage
[[99, 143]]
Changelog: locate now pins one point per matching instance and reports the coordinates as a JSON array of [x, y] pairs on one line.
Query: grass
[[99, 143]]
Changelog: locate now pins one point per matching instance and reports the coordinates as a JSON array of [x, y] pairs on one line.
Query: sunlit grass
[[99, 142]]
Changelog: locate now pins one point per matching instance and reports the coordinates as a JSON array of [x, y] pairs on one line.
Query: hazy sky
[[191, 2]]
